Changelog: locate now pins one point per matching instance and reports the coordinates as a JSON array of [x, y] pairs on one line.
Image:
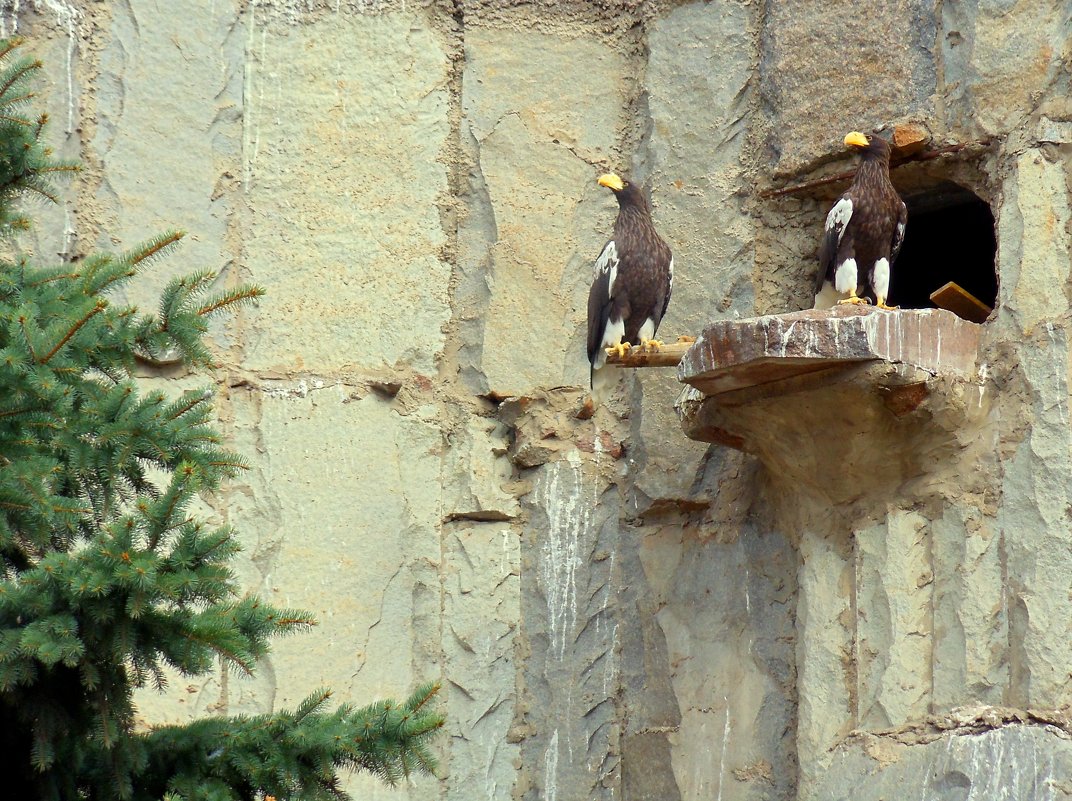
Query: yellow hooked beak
[[856, 139], [611, 181]]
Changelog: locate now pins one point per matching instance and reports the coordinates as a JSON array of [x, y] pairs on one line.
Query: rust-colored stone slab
[[735, 354], [909, 139]]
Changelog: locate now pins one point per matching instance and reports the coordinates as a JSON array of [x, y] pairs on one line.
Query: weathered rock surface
[[614, 611], [1000, 59], [571, 675], [1016, 761], [378, 474], [536, 218], [348, 529], [699, 103], [812, 58], [476, 472], [482, 607], [56, 44], [725, 630], [145, 139], [343, 175]]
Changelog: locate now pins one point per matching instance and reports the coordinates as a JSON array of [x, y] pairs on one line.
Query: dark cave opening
[[950, 237]]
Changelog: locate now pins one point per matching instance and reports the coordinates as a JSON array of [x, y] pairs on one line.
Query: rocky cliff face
[[615, 611]]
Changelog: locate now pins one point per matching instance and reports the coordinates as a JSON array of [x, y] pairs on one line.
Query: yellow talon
[[852, 298], [686, 339], [650, 344], [619, 350], [882, 305]]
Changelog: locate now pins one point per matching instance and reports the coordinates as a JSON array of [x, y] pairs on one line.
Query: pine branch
[[7, 46], [422, 696], [51, 278], [26, 337], [19, 73], [101, 306], [231, 657], [195, 400], [59, 167], [311, 704], [232, 464], [154, 247], [232, 298], [43, 191], [120, 272]]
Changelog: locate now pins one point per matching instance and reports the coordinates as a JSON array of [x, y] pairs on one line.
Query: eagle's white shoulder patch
[[608, 263], [607, 259], [671, 287], [838, 217]]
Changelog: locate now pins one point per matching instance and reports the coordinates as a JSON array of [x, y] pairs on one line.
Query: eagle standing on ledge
[[863, 232], [634, 276]]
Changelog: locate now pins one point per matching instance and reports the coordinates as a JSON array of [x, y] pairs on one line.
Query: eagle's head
[[870, 146], [628, 193]]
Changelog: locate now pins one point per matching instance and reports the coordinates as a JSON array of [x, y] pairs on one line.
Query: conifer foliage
[[106, 578]]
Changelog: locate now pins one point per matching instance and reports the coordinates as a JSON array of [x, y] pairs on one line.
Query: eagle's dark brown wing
[[669, 290], [898, 233], [599, 300]]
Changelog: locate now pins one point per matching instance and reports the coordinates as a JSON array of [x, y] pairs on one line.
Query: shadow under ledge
[[882, 396]]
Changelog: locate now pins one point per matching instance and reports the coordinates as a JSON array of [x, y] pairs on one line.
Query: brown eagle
[[634, 276], [863, 231]]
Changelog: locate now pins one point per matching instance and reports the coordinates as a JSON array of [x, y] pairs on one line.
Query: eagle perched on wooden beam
[[863, 231], [634, 276]]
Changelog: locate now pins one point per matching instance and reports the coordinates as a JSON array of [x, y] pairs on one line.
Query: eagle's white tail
[[603, 381], [827, 297]]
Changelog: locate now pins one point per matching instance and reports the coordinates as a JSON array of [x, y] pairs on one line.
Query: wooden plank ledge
[[961, 302], [669, 355]]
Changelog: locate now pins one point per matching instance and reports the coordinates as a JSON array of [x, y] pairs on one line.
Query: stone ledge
[[810, 391], [737, 354]]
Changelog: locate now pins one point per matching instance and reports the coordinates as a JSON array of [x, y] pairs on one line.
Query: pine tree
[[106, 579]]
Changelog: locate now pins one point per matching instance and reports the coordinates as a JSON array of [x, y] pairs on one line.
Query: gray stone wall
[[614, 610]]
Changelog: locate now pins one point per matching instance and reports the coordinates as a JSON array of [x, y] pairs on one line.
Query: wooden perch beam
[[961, 302], [667, 356]]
